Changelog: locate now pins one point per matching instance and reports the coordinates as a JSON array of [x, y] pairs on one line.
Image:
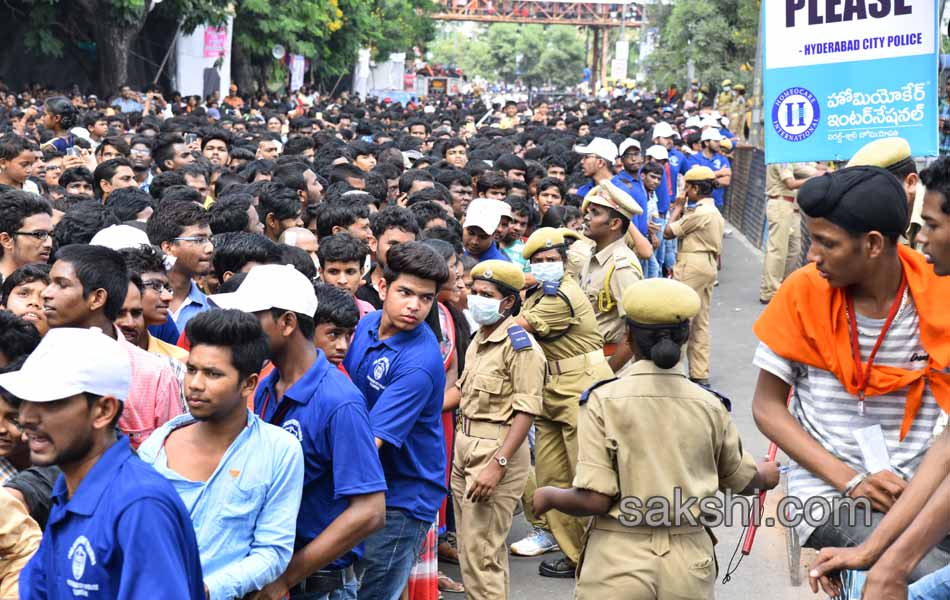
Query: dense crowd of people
[[314, 347]]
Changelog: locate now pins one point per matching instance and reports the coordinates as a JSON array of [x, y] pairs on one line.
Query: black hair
[[340, 173], [305, 324], [18, 337], [81, 222], [98, 267], [449, 176], [279, 200], [704, 187], [452, 143], [117, 142], [417, 259], [232, 284], [63, 108], [14, 365], [335, 306], [291, 174], [107, 170], [444, 234], [299, 259], [426, 211], [651, 167], [492, 180], [393, 217], [297, 144], [170, 220], [127, 203], [936, 178], [509, 162], [74, 174], [215, 133], [12, 145], [22, 276], [411, 176], [229, 213], [376, 187], [163, 181], [339, 214], [662, 345], [165, 149], [17, 206], [143, 259], [342, 247], [232, 251], [234, 329], [178, 194]]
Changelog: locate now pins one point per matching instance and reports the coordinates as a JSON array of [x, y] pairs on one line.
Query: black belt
[[323, 581]]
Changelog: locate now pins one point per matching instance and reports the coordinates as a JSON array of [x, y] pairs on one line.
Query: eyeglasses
[[197, 239], [158, 286], [40, 236]]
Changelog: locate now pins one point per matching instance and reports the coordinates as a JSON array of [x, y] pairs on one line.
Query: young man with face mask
[[72, 388], [501, 395], [562, 319]]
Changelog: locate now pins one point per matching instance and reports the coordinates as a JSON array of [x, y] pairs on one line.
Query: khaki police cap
[[884, 153], [567, 232], [609, 195], [739, 87], [660, 301], [726, 144], [499, 271], [544, 238], [726, 82], [699, 173]]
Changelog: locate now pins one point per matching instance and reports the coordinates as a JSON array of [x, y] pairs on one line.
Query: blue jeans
[[650, 266], [347, 592], [389, 555], [935, 586]]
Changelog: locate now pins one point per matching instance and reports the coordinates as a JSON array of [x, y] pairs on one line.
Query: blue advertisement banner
[[838, 75]]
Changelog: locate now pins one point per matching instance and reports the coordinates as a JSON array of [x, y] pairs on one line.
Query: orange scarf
[[806, 322]]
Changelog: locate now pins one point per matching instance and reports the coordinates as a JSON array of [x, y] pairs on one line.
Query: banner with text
[[841, 73]]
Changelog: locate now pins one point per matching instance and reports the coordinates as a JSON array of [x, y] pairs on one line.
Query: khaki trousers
[[698, 271], [482, 527], [784, 247]]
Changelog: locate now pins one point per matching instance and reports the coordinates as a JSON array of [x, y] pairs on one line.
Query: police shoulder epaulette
[[725, 401], [520, 340], [586, 394], [621, 260], [550, 288]]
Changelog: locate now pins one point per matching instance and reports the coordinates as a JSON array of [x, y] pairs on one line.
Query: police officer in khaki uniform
[[642, 437], [612, 267], [501, 396], [784, 247], [558, 313], [894, 155], [699, 230]]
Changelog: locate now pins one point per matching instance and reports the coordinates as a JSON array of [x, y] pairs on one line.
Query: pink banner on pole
[[216, 41]]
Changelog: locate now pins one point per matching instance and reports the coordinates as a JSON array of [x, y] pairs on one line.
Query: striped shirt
[[830, 414]]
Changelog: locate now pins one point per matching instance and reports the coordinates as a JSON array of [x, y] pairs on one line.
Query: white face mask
[[485, 311], [548, 271]]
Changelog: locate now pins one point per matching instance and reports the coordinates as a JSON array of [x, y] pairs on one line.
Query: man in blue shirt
[[117, 529], [343, 486], [628, 180], [395, 361], [478, 231], [239, 477], [712, 157], [183, 232]]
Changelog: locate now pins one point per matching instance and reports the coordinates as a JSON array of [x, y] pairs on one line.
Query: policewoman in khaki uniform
[[501, 396], [559, 315], [699, 230], [612, 266], [643, 436]]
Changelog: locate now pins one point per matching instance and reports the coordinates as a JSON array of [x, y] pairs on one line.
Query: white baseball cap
[[693, 121], [662, 130], [710, 122], [627, 144], [601, 147], [485, 214], [710, 135], [71, 361], [272, 286], [118, 237], [658, 152]]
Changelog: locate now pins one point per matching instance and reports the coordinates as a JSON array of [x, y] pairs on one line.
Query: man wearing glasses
[[26, 221], [182, 231]]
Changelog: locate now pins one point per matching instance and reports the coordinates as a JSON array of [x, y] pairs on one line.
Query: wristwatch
[[501, 460]]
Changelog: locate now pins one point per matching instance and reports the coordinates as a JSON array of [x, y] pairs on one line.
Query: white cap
[[601, 147], [658, 152], [71, 361], [118, 237], [662, 130], [724, 121], [272, 286], [627, 144], [710, 122], [715, 114], [693, 121], [485, 214], [711, 135]]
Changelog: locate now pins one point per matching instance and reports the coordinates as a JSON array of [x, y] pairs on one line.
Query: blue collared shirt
[[493, 253], [327, 415], [123, 535], [634, 187], [167, 331], [245, 514], [677, 158], [195, 303], [403, 380], [128, 105]]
